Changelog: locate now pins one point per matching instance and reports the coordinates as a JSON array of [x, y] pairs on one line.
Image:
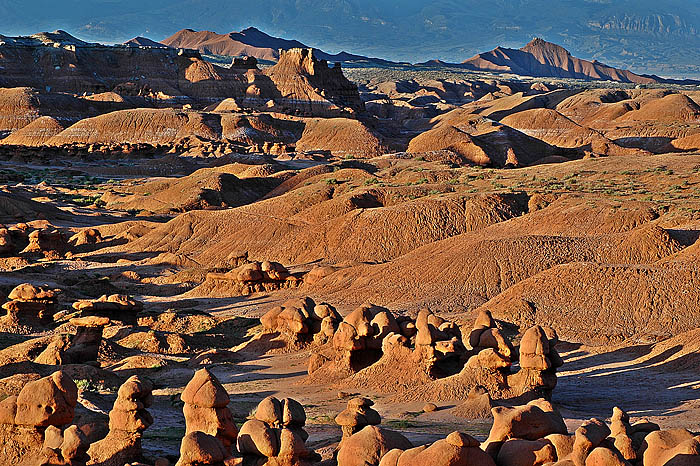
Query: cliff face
[[76, 67], [301, 77], [57, 62]]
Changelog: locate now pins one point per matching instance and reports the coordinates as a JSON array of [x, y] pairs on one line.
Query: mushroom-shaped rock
[[29, 306], [85, 345], [356, 416], [117, 307]]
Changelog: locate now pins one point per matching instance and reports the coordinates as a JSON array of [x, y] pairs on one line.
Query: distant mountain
[[251, 42], [143, 42], [645, 36], [543, 59]]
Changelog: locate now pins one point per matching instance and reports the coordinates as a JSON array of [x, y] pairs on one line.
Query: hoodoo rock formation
[[357, 416], [250, 278], [175, 222], [456, 448], [128, 419], [276, 435], [206, 409], [299, 322]]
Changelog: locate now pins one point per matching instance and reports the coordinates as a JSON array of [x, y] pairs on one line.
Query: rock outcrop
[[309, 84], [532, 421], [116, 307], [426, 359], [49, 242], [301, 321], [539, 361], [253, 277], [29, 307]]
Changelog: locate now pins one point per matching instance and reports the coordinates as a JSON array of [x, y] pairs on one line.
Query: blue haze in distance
[[647, 36]]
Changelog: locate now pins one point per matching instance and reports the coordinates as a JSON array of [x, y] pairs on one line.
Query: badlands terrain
[[278, 265]]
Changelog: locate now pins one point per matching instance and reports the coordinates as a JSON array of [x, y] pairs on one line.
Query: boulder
[[519, 452], [532, 421], [676, 447], [369, 445], [200, 449], [456, 449], [47, 401]]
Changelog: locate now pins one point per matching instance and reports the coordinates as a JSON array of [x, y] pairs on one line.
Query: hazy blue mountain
[[657, 36]]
